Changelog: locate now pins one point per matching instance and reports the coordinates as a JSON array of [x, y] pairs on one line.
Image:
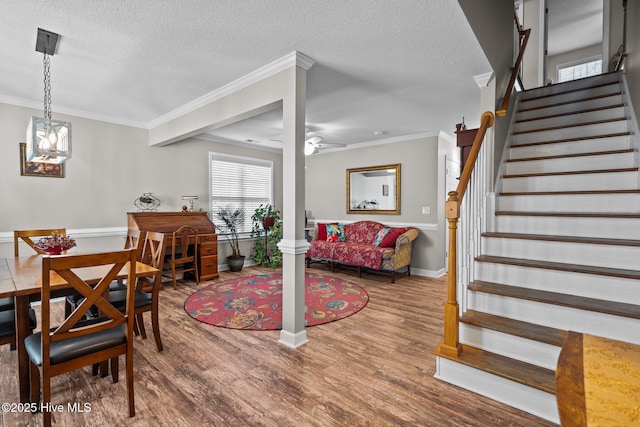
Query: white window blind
[[239, 182], [579, 71]]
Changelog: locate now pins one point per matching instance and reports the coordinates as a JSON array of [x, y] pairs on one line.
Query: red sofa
[[364, 244]]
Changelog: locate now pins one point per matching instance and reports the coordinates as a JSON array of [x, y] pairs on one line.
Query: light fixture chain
[[47, 88]]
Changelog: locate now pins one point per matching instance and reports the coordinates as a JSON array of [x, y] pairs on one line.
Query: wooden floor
[[374, 368]]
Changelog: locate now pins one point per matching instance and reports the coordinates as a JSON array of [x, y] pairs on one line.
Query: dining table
[[21, 277]]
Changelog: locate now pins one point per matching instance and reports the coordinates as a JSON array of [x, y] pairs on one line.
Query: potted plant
[[267, 227], [230, 220]]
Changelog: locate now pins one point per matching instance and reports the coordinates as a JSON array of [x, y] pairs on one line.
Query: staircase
[[564, 254]]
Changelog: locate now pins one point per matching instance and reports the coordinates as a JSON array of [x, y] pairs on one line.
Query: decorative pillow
[[390, 240], [335, 233], [381, 235], [322, 231]]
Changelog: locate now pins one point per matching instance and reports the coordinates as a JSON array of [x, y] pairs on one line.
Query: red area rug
[[255, 302]]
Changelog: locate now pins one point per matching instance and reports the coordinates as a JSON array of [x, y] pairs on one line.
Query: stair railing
[[523, 37], [450, 345]]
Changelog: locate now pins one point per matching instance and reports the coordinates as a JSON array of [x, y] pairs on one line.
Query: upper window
[[239, 182], [579, 71]]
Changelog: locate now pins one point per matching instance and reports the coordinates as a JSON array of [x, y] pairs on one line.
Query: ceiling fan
[[315, 142]]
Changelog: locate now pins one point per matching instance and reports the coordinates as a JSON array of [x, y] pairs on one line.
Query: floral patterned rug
[[255, 302]]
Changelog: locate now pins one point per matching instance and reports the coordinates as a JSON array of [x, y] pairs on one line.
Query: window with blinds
[[239, 182], [579, 71]]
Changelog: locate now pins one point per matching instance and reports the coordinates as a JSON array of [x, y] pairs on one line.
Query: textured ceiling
[[398, 67]]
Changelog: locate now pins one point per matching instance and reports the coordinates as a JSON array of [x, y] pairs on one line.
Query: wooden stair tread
[[565, 156], [517, 328], [570, 113], [572, 125], [582, 303], [572, 214], [572, 192], [505, 367], [580, 172], [576, 268], [557, 104], [571, 239], [559, 141]]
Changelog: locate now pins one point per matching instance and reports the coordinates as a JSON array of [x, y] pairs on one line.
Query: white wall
[[583, 54]]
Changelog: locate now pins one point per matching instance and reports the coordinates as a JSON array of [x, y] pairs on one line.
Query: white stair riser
[[606, 114], [565, 318], [533, 352], [511, 393], [569, 108], [572, 147], [585, 285], [567, 164], [615, 228], [611, 256], [615, 202], [574, 182], [527, 101], [572, 132], [609, 80]]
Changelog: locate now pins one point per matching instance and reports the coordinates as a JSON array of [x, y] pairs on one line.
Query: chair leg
[[104, 369], [34, 382], [13, 344], [155, 324], [173, 275], [140, 324], [132, 407], [115, 369], [46, 398], [95, 368]]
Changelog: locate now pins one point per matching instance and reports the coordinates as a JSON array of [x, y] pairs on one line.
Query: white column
[[293, 244]]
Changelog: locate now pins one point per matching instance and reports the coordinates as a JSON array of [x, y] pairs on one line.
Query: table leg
[[22, 331]]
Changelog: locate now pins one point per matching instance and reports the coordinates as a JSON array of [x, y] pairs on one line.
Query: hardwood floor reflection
[[373, 368]]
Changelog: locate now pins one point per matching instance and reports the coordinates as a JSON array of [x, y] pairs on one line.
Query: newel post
[[451, 345]]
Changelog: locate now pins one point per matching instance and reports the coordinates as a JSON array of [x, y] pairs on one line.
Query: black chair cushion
[[76, 298], [8, 322], [6, 304], [119, 299], [72, 348]]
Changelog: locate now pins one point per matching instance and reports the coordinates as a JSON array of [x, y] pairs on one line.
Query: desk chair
[[76, 342], [184, 253], [26, 236]]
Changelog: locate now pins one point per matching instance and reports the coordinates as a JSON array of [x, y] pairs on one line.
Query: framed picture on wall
[[385, 190], [37, 168]]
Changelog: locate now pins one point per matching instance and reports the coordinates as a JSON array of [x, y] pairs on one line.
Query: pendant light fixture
[[48, 140]]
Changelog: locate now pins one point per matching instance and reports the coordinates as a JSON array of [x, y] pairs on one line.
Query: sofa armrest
[[407, 237], [402, 253]]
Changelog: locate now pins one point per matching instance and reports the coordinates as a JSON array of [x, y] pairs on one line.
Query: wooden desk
[[598, 382], [26, 274], [168, 222]]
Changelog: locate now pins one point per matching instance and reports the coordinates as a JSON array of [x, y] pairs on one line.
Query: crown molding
[[385, 141], [482, 80], [295, 58]]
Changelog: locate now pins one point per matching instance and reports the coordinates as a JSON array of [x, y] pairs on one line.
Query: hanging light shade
[[48, 140]]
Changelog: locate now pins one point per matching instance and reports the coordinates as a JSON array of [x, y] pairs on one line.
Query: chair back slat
[[26, 235]]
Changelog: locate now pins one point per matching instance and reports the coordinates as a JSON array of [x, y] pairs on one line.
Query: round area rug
[[255, 302]]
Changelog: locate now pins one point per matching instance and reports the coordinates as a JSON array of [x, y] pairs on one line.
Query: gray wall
[[632, 62], [112, 165], [422, 185], [575, 55]]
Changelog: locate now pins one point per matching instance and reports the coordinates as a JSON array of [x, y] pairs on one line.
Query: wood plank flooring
[[374, 368]]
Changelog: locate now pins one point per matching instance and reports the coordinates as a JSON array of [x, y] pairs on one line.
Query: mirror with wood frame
[[374, 190]]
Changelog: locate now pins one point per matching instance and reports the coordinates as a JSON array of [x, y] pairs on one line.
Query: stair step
[[582, 138], [564, 156], [573, 214], [517, 328], [569, 113], [568, 239], [576, 268], [572, 125], [554, 193], [576, 225], [569, 119], [571, 102], [524, 373], [601, 80], [582, 303], [528, 175]]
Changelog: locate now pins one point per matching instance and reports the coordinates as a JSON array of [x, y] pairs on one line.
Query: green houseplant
[[267, 228], [230, 220]]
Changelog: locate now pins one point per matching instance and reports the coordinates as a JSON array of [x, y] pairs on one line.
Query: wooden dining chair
[[147, 288], [26, 235], [76, 342], [184, 253], [8, 326]]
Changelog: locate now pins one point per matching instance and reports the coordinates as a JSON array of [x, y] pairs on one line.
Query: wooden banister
[[524, 38], [450, 346]]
